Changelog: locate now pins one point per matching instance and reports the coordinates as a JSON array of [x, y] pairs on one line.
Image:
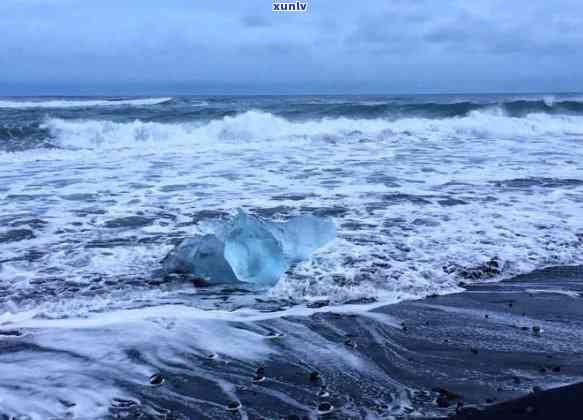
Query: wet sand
[[557, 403], [467, 351]]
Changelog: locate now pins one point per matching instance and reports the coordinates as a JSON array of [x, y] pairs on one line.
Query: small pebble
[[314, 376], [536, 331], [323, 394], [325, 408], [156, 379], [273, 334], [350, 343], [258, 378], [212, 356], [234, 406]]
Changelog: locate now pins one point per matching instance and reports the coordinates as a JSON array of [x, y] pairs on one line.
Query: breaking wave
[[257, 125]]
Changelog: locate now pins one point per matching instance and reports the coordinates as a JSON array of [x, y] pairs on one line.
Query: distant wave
[[517, 107], [80, 103], [257, 126]]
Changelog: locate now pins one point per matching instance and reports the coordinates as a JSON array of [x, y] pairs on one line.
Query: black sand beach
[[461, 353]]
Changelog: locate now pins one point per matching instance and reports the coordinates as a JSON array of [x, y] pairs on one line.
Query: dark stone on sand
[[129, 222], [350, 343], [325, 408], [156, 379], [15, 235], [233, 406], [258, 378], [314, 376]]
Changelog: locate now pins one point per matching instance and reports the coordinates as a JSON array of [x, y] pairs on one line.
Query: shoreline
[[463, 353], [491, 343]]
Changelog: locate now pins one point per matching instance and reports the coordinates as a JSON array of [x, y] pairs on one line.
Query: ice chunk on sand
[[301, 236], [202, 257], [254, 253], [251, 249]]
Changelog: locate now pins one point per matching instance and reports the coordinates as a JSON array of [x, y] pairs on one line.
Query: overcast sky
[[337, 46]]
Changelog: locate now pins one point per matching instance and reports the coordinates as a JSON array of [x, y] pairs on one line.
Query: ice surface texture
[[251, 249], [201, 256]]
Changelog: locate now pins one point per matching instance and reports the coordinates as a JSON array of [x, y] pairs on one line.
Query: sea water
[[426, 192]]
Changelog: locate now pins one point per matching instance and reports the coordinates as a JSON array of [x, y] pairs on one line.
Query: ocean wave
[[80, 103], [257, 126], [420, 203]]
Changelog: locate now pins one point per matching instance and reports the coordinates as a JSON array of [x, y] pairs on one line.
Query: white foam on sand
[[85, 359]]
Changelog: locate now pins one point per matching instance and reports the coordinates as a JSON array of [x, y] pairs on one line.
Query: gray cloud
[[255, 21], [242, 47]]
